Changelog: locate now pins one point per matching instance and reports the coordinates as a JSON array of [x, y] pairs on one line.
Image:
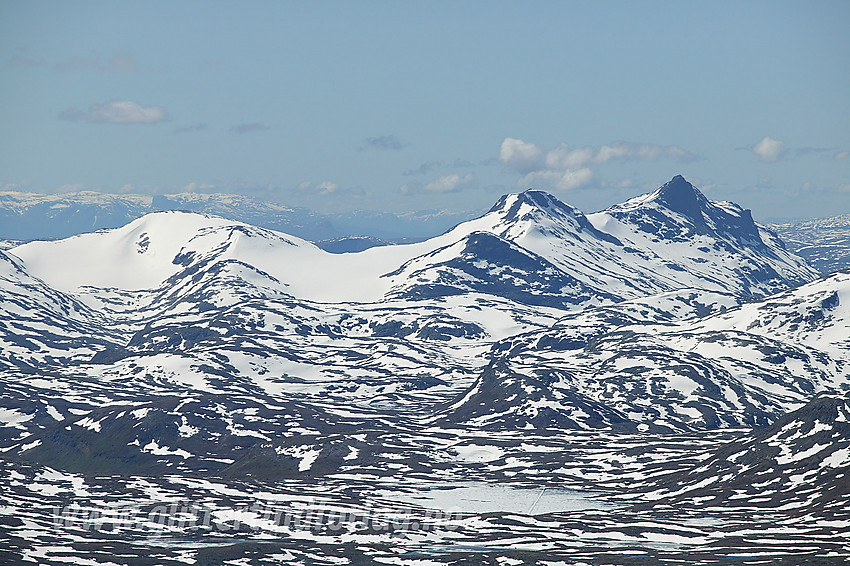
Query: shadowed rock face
[[680, 196], [489, 264], [729, 222]]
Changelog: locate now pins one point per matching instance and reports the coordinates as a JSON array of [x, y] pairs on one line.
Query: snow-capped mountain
[[485, 263], [699, 244], [196, 286], [671, 239], [188, 353], [685, 238]]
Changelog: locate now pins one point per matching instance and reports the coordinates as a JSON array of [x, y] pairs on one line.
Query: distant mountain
[[350, 244], [671, 239], [824, 243], [9, 244], [31, 216], [683, 237], [397, 228], [527, 246]]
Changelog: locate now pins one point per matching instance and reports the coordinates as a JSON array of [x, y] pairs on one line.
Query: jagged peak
[[681, 196], [534, 198], [677, 195], [538, 209]]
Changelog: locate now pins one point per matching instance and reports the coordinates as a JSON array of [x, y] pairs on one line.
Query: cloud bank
[[116, 112], [448, 183], [520, 155], [565, 168]]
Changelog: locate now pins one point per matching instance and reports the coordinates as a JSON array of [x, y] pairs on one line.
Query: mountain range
[[34, 216], [623, 353], [823, 243]]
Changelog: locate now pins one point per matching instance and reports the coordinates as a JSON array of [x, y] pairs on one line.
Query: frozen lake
[[488, 498]]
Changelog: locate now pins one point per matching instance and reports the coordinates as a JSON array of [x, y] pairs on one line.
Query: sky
[[402, 106]]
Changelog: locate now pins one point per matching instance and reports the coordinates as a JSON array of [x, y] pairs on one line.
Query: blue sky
[[403, 106]]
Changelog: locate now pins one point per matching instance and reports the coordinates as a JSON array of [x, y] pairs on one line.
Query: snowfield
[[661, 379]]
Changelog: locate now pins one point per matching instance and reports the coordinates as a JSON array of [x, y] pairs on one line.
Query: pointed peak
[[543, 210], [681, 196], [677, 184], [538, 196], [534, 198]]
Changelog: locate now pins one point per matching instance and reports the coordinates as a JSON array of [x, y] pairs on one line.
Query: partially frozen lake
[[488, 498]]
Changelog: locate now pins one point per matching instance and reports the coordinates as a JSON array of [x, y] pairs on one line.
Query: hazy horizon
[[401, 107]]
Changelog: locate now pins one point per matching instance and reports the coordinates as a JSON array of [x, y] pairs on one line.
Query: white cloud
[[645, 151], [841, 155], [556, 180], [520, 155], [327, 187], [563, 157], [117, 112], [565, 168], [769, 150], [443, 184], [448, 183]]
